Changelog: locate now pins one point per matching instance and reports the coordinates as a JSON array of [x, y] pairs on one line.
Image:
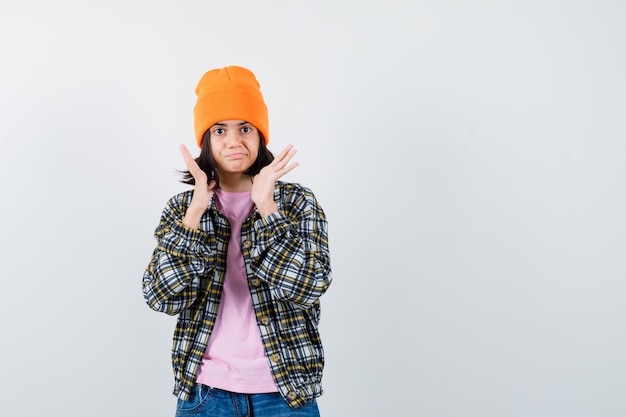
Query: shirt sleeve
[[180, 261], [291, 250]]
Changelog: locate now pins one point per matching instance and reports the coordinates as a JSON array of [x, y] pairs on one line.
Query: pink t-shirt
[[235, 359]]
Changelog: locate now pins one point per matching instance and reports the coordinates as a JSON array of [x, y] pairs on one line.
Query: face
[[234, 146]]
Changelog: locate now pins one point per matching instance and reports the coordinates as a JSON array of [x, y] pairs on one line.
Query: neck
[[236, 183]]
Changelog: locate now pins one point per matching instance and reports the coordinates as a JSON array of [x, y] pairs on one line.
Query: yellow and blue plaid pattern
[[288, 265]]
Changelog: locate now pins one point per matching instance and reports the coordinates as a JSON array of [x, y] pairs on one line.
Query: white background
[[470, 157]]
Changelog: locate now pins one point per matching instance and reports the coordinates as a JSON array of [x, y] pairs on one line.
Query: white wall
[[470, 157]]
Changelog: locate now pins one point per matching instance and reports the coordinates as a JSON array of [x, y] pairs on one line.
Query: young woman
[[243, 260]]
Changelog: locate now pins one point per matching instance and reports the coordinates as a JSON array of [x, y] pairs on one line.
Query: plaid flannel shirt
[[288, 266]]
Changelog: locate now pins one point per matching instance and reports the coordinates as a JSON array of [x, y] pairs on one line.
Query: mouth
[[236, 155]]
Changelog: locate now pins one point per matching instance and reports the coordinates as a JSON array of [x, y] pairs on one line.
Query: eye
[[218, 131], [246, 129]]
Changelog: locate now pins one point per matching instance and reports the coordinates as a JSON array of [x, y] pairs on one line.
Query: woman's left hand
[[264, 182]]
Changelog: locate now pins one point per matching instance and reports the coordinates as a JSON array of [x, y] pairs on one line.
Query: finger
[[284, 153], [287, 169], [191, 163], [184, 151], [284, 159], [186, 154]]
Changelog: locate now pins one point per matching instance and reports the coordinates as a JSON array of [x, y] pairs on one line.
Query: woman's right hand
[[202, 193]]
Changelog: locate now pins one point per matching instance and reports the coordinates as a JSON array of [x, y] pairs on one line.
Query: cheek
[[215, 150], [253, 147]]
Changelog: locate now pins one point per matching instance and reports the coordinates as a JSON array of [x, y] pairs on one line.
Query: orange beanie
[[229, 93]]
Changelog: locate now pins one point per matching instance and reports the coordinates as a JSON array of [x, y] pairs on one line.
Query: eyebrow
[[240, 124]]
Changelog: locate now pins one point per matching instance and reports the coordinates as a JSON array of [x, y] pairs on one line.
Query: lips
[[237, 155]]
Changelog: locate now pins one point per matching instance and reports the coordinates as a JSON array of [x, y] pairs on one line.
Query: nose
[[233, 138]]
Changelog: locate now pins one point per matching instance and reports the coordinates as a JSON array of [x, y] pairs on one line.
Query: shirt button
[[275, 357], [247, 244], [255, 282], [265, 320], [292, 396]]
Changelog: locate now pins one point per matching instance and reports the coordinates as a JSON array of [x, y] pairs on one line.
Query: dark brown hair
[[207, 164]]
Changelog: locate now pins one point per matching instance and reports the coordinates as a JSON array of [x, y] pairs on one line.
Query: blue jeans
[[204, 401]]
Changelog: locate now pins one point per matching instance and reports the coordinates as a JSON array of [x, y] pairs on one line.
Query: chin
[[237, 169]]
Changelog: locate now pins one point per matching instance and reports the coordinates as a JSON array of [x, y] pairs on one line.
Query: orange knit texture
[[229, 93]]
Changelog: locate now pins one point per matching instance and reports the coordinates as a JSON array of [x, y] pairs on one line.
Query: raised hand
[[263, 183], [202, 192]]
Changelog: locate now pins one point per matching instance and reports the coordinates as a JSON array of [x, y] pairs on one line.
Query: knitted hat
[[229, 93]]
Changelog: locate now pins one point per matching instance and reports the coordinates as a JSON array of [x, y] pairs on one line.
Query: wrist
[[265, 209], [192, 217]]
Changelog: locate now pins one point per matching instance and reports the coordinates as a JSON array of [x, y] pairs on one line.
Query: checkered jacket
[[288, 266]]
